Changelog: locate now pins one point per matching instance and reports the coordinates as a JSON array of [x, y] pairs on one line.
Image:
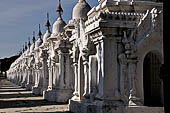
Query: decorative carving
[[130, 55], [123, 75], [65, 53], [130, 46]]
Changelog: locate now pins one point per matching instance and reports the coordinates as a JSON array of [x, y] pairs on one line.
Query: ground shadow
[[4, 87], [48, 112], [26, 103], [12, 90], [12, 96], [23, 95]]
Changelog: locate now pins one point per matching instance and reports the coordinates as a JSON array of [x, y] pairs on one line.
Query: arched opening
[[152, 82]]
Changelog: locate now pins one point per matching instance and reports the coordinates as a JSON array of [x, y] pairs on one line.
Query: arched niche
[[152, 84]]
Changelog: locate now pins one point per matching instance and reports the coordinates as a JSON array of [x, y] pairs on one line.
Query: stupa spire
[[39, 33], [48, 23], [82, 1], [25, 45], [23, 49], [29, 44], [59, 9], [33, 38]]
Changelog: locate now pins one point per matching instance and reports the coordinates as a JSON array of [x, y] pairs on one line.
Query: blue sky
[[19, 18]]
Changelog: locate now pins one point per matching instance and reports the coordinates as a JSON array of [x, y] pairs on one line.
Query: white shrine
[[107, 58]]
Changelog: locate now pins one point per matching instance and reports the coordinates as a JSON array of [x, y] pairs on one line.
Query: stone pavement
[[14, 99]]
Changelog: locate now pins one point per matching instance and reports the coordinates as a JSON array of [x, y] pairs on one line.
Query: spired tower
[[60, 78], [120, 54]]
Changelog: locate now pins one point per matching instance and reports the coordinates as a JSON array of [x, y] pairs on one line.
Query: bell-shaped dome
[[27, 52], [80, 10], [48, 32], [33, 44], [38, 43], [32, 48], [58, 26], [46, 36]]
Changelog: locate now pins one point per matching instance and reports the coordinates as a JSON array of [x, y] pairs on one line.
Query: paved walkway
[[14, 99]]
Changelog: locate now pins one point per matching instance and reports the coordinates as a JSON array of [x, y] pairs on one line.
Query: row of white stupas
[[92, 61], [45, 65]]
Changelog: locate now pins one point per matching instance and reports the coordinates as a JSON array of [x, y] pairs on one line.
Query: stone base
[[19, 84], [62, 96], [29, 87], [23, 85], [110, 107], [95, 107], [37, 90], [144, 109]]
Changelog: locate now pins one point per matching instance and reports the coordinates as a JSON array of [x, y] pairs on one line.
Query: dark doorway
[[152, 82]]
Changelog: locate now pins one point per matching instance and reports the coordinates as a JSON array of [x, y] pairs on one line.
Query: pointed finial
[[33, 38], [29, 44], [59, 9], [25, 45], [48, 23], [39, 33], [82, 0], [23, 49]]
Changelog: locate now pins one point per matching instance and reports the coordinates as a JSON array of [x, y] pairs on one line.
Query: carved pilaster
[[45, 69]]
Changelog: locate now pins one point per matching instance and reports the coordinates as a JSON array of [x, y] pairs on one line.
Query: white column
[[86, 75], [50, 75], [80, 78], [45, 70], [76, 79]]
